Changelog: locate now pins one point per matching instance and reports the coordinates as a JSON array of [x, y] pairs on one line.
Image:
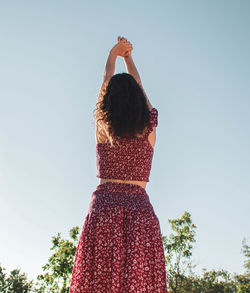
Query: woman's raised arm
[[119, 49], [131, 69]]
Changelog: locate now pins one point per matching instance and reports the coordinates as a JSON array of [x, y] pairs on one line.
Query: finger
[[125, 45], [127, 48], [128, 51], [120, 39], [128, 45]]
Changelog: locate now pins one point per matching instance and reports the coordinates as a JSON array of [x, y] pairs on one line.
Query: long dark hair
[[122, 110]]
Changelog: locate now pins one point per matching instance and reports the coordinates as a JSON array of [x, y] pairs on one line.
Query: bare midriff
[[140, 183]]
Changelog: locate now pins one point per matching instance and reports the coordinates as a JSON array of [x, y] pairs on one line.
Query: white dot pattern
[[130, 160], [120, 249]]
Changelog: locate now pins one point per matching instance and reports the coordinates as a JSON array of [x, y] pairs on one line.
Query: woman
[[120, 249]]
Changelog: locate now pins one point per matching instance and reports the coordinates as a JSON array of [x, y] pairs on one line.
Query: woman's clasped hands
[[123, 47]]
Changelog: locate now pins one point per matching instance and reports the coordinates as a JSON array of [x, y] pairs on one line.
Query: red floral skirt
[[120, 249]]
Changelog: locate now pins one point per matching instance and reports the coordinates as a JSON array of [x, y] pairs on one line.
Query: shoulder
[[154, 117], [153, 124], [100, 133]]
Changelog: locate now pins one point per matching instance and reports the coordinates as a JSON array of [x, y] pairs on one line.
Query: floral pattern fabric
[[130, 160], [120, 249]]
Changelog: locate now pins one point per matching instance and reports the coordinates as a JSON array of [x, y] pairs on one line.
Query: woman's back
[[128, 159]]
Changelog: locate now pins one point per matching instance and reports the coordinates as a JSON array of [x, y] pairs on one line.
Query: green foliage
[[246, 251], [243, 283], [59, 268], [15, 282], [178, 251], [178, 246], [216, 281]]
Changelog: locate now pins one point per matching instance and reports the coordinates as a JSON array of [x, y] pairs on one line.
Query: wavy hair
[[121, 110]]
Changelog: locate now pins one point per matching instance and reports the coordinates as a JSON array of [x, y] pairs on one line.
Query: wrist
[[128, 55], [128, 59], [112, 53]]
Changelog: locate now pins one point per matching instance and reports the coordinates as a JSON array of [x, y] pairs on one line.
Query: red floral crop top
[[130, 160]]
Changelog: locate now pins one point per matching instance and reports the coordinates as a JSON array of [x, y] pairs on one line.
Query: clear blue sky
[[193, 58]]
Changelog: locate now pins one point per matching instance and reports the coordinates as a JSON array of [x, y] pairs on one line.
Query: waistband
[[122, 188]]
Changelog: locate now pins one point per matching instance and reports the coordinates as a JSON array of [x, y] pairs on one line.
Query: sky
[[193, 60]]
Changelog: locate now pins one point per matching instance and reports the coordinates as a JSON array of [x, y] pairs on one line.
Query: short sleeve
[[154, 117]]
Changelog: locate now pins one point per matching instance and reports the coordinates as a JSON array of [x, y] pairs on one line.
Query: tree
[[246, 251], [243, 281], [178, 246], [59, 268], [216, 281], [15, 282]]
